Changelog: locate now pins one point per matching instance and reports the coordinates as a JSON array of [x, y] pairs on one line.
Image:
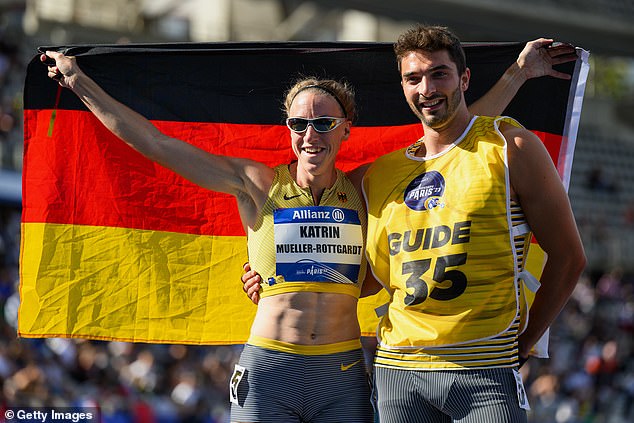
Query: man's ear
[[464, 79]]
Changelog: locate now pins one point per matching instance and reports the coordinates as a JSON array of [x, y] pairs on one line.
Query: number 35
[[417, 268]]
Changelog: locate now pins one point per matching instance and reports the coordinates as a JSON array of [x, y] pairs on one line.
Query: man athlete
[[450, 220]]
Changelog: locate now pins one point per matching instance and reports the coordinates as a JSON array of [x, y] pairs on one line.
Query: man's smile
[[431, 104]]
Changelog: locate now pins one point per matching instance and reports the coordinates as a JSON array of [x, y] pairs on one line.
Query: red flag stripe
[[115, 186]]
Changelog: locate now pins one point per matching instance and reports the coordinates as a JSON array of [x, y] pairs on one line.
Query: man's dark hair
[[430, 39]]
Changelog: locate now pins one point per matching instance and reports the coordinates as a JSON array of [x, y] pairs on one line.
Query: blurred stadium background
[[590, 377]]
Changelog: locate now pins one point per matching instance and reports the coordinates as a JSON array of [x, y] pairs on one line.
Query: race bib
[[522, 398], [234, 383], [318, 244]]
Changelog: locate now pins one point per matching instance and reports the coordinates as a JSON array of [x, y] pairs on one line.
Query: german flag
[[115, 247]]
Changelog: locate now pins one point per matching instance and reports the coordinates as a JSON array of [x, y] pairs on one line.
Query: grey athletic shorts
[[281, 387], [444, 396]]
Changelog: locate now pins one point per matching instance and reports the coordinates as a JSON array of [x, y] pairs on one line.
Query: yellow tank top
[[498, 351], [298, 246], [439, 238]]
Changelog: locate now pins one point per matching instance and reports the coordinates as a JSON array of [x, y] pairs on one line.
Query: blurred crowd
[[589, 377], [12, 72]]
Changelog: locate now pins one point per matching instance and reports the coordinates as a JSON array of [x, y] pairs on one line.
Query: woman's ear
[[346, 131]]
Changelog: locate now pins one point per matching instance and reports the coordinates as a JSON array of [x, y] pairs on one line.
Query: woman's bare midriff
[[307, 318]]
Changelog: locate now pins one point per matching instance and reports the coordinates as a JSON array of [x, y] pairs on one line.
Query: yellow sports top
[[296, 245], [440, 240]]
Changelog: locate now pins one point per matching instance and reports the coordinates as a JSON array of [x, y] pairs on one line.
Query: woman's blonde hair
[[342, 92]]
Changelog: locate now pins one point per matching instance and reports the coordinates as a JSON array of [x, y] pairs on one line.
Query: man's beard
[[441, 117]]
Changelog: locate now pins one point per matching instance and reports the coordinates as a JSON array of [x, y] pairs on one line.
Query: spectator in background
[[598, 180], [11, 76]]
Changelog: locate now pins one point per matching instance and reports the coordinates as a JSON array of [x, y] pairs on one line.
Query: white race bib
[[234, 382], [522, 398], [318, 244]]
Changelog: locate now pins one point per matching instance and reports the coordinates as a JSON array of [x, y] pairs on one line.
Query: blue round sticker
[[425, 191]]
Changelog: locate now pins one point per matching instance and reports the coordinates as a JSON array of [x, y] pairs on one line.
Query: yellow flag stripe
[[132, 285]]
